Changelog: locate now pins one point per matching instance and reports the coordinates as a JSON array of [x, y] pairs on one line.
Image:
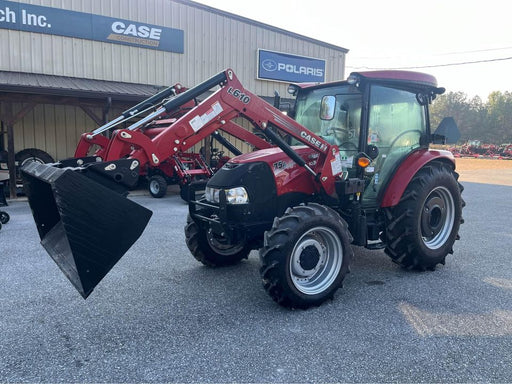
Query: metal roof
[[39, 84], [260, 24]]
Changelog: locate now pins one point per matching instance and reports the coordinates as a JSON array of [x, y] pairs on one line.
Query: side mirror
[[446, 133], [372, 151], [327, 107]]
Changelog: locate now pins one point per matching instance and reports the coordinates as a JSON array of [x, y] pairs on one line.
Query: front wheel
[[306, 256], [213, 250], [423, 227], [157, 186]]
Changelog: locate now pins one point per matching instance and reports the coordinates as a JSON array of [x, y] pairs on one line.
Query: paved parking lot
[[160, 316]]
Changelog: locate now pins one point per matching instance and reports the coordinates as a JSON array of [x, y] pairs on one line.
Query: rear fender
[[406, 171]]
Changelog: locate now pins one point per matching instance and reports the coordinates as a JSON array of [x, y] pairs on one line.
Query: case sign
[[290, 68], [56, 21]]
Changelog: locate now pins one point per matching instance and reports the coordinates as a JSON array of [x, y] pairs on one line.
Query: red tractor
[[352, 167]]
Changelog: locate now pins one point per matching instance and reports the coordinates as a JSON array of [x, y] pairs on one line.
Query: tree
[[468, 114], [499, 107], [489, 122]]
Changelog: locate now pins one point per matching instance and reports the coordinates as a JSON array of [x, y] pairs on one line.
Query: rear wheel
[[423, 227], [306, 256], [213, 250], [30, 155], [4, 217], [157, 186]]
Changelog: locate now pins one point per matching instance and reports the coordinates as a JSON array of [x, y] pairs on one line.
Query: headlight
[[212, 194], [236, 195]]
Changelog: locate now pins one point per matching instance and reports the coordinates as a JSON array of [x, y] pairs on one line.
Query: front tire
[[423, 227], [306, 255], [157, 186], [212, 250]]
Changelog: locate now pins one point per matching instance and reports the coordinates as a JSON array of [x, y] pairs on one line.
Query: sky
[[465, 44]]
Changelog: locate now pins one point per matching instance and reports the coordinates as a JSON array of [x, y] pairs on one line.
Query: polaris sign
[[56, 21], [290, 68]]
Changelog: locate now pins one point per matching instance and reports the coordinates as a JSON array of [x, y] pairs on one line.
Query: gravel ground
[[160, 316]]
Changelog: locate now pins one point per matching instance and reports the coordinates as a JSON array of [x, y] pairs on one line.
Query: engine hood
[[271, 155]]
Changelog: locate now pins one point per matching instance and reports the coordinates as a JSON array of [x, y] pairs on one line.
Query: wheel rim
[[221, 245], [316, 260], [437, 218], [154, 187], [31, 160]]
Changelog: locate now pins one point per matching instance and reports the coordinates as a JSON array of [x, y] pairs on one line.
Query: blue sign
[[55, 21], [290, 68]]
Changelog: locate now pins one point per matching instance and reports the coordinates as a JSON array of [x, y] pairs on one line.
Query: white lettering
[[142, 31], [313, 141], [7, 16], [118, 27], [33, 19], [155, 33], [131, 30], [301, 70]]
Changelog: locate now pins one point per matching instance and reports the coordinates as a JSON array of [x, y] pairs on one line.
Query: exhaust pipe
[[84, 226]]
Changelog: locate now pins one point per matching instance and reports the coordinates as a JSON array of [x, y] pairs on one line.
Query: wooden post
[[9, 120], [10, 160]]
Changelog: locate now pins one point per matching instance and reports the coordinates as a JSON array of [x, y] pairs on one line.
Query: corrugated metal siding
[[213, 42], [55, 129]]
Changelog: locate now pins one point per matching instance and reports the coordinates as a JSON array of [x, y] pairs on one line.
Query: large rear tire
[[212, 250], [423, 227], [306, 255]]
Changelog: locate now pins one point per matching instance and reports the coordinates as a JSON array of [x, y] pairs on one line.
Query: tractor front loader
[[79, 203], [351, 167], [181, 167]]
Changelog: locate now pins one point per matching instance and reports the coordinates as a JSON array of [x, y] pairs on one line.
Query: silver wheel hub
[[316, 260], [221, 244], [154, 186], [437, 218]]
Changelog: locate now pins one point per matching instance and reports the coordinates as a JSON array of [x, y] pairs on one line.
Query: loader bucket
[[85, 227]]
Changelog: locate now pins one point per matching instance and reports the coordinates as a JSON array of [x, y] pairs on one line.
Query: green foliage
[[489, 122]]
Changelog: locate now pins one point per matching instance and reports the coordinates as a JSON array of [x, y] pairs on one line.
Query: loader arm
[[215, 113], [95, 138]]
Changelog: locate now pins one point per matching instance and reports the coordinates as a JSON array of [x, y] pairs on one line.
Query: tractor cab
[[384, 119]]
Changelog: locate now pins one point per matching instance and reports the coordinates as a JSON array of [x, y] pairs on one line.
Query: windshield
[[340, 128]]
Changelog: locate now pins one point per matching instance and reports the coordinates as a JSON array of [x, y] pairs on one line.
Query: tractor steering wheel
[[346, 144], [395, 140]]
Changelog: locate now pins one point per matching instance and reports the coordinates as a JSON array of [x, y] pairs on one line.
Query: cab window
[[396, 125]]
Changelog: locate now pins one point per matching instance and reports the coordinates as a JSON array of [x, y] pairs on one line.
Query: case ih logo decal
[[57, 21], [317, 143], [290, 68], [135, 33]]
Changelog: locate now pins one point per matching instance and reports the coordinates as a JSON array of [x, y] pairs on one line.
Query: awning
[[39, 84]]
